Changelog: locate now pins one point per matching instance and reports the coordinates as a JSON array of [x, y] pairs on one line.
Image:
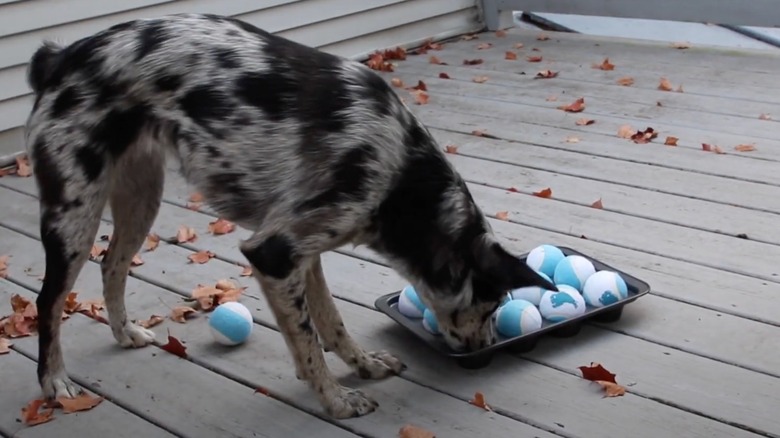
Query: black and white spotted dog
[[307, 150]]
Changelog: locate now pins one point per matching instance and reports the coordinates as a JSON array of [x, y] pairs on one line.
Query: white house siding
[[351, 28]]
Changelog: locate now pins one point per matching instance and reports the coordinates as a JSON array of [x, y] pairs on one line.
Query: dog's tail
[[42, 65]]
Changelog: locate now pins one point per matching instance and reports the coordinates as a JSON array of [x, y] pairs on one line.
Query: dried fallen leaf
[[643, 137], [764, 116], [518, 45], [376, 61], [611, 389], [598, 204], [435, 60], [502, 215], [596, 371], [174, 346], [180, 313], [472, 61], [509, 55], [186, 234], [32, 415], [542, 37], [469, 37], [71, 305], [262, 390], [479, 401], [82, 402], [574, 107], [665, 85], [152, 242], [480, 79], [626, 131], [536, 58], [397, 82], [546, 74], [195, 197], [681, 45], [410, 431], [5, 346], [151, 322], [444, 76], [4, 266], [584, 122], [246, 271], [96, 252], [513, 190], [136, 261], [223, 226], [572, 139], [206, 296], [711, 148], [451, 149], [605, 65], [544, 193], [483, 46], [744, 148], [23, 168], [420, 97], [626, 81], [671, 141], [500, 33], [201, 257]]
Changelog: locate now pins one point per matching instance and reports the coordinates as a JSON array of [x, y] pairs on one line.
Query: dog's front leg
[[282, 277], [326, 317]]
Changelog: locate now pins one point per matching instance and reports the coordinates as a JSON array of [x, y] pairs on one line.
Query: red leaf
[[451, 149], [502, 215], [671, 141], [574, 107], [605, 65], [82, 402], [444, 76], [201, 257], [479, 401], [513, 190], [511, 56], [597, 204], [32, 416], [262, 390], [596, 372], [411, 431], [174, 346], [626, 81], [472, 61], [537, 58], [544, 193], [420, 86], [221, 226]]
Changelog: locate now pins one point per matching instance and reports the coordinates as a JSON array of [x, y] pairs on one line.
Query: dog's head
[[482, 277]]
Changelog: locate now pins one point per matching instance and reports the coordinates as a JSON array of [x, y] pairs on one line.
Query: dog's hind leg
[[71, 202], [330, 326], [135, 197]]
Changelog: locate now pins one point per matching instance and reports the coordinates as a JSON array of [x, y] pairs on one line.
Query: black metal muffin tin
[[388, 304]]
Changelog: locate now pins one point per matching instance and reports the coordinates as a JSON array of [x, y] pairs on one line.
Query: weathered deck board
[[17, 374]]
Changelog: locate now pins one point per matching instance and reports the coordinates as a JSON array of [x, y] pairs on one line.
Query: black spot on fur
[[377, 92], [169, 82], [416, 137], [120, 128], [306, 327], [41, 66], [90, 161], [151, 37], [364, 373], [205, 105], [226, 58], [266, 91], [274, 257], [299, 302], [50, 181], [213, 151], [349, 178], [65, 101], [109, 91]]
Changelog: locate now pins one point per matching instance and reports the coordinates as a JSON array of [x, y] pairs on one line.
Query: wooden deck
[[700, 356]]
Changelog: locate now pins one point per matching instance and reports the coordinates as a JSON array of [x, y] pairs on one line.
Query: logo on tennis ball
[[561, 298], [608, 298]]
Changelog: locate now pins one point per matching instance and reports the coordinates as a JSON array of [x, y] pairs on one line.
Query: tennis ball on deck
[[559, 306], [533, 294], [544, 258], [409, 304], [573, 270], [230, 323], [518, 317], [429, 322], [604, 288]]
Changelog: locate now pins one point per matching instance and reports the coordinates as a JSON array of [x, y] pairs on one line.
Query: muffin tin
[[388, 304]]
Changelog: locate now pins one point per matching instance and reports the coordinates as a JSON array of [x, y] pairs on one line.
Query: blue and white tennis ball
[[518, 317], [604, 288], [559, 306], [409, 303], [573, 270], [429, 322], [544, 258], [533, 294], [231, 323]]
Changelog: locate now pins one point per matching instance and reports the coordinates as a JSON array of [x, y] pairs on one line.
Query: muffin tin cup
[[388, 304]]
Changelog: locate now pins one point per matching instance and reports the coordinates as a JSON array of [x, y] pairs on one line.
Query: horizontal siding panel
[[39, 14], [346, 27]]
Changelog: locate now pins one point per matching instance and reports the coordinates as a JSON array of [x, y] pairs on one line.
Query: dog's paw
[[59, 385], [379, 365], [343, 402], [133, 335]]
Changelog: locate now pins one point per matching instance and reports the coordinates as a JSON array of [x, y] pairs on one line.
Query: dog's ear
[[495, 265]]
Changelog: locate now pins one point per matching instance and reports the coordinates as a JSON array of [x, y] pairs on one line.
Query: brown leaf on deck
[[611, 389], [671, 141], [469, 37], [706, 147], [542, 37], [551, 98], [665, 85], [180, 313], [643, 137], [572, 139], [500, 33], [420, 86], [96, 252], [680, 45], [574, 107], [152, 242], [764, 116], [534, 58], [744, 148], [221, 226], [584, 122], [544, 193], [513, 190], [186, 234], [502, 215], [376, 61], [626, 131], [397, 82], [598, 204], [483, 46], [472, 61], [174, 346], [480, 79], [5, 346], [420, 97], [4, 265], [71, 304], [451, 149], [546, 74], [201, 257], [479, 401], [151, 322], [23, 168], [410, 431], [626, 81], [444, 76], [510, 55], [82, 402], [433, 59], [32, 415], [246, 271], [136, 261], [596, 371], [195, 197], [605, 65]]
